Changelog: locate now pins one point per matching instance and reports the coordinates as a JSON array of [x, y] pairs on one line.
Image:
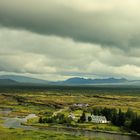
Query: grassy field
[[47, 100], [51, 100], [19, 134]]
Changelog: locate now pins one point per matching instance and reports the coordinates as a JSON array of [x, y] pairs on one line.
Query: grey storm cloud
[[105, 22], [57, 39], [25, 52]]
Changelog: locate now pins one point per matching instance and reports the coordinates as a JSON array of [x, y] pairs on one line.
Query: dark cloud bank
[[70, 37]]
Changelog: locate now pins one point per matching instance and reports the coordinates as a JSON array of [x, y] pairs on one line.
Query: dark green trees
[[82, 118], [135, 125]]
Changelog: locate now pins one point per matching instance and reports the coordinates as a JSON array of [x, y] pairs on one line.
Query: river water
[[16, 123]]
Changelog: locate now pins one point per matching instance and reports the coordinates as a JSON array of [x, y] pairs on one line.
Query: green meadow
[[45, 101]]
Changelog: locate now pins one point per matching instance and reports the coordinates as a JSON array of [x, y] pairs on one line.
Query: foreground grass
[[19, 134]]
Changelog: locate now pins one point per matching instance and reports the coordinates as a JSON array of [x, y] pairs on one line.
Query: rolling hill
[[7, 82], [24, 79]]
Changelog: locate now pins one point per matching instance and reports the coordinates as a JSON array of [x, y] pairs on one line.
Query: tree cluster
[[59, 118], [129, 119]]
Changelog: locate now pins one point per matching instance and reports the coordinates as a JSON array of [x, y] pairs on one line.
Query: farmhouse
[[96, 119]]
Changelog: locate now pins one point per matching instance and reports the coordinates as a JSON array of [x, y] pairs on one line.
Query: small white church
[[96, 119]]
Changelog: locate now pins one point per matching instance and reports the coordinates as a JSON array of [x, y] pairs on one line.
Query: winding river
[[16, 123]]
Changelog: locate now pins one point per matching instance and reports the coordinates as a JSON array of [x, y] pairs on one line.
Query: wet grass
[[19, 134]]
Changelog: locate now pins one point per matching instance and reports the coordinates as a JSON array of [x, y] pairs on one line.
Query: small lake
[[16, 123]]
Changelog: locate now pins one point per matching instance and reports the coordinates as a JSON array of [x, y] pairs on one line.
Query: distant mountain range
[[7, 82], [23, 80], [82, 81]]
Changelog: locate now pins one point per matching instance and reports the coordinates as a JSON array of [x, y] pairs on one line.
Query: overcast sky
[[58, 39]]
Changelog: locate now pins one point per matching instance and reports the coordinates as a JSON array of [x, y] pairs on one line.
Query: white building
[[71, 115], [96, 119]]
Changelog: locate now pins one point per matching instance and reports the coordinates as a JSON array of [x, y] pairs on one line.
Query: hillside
[[7, 82], [24, 79]]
